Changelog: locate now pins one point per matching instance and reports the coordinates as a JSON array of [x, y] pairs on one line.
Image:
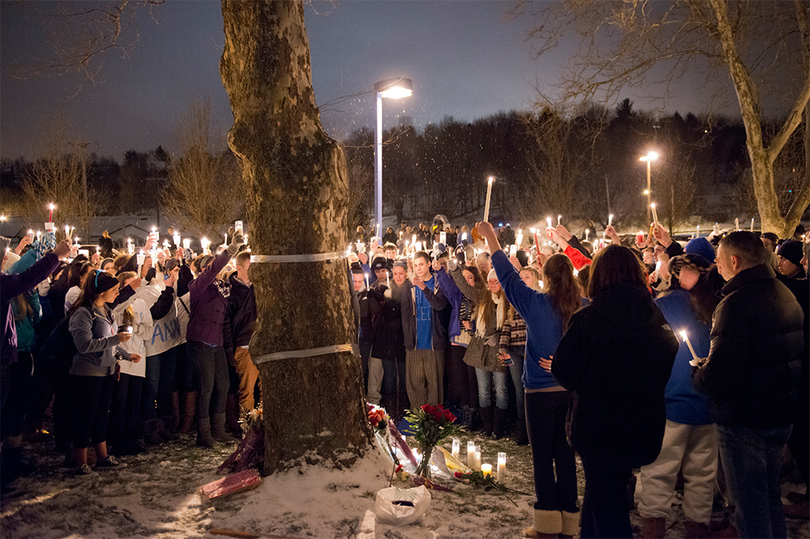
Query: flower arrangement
[[429, 426]]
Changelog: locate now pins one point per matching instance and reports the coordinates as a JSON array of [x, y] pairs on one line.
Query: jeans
[[751, 460], [517, 354], [545, 418], [484, 378], [210, 366]]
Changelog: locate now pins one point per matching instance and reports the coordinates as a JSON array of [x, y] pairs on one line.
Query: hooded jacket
[[209, 298], [616, 357], [437, 301], [240, 315]]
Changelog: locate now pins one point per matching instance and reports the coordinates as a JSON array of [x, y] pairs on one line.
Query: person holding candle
[[753, 366], [209, 297], [546, 401], [690, 438], [616, 357], [97, 339]]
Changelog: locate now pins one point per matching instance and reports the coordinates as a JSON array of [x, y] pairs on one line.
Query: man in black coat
[[751, 372]]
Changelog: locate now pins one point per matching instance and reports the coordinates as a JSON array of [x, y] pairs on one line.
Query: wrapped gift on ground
[[237, 482]]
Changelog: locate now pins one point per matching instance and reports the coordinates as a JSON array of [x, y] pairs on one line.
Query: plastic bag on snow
[[401, 506]]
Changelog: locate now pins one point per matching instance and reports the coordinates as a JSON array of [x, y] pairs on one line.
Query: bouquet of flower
[[429, 426]]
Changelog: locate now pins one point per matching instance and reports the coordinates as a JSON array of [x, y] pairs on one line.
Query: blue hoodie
[[684, 404], [544, 326]]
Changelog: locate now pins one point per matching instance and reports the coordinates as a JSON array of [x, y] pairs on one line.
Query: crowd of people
[[587, 334], [575, 341], [126, 350]]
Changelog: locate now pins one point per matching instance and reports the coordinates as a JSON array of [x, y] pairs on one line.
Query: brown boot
[[190, 402], [653, 527], [175, 412], [696, 530]]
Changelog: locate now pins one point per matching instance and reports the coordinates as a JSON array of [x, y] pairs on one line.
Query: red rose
[[448, 416], [458, 475], [429, 409]]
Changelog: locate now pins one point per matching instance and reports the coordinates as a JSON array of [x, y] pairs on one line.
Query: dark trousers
[[605, 510], [125, 408], [168, 366], [210, 367], [545, 422], [153, 383], [458, 381], [91, 397], [58, 374], [365, 353], [20, 377], [183, 375]]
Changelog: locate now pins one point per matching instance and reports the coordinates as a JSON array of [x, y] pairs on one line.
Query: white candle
[[456, 448], [610, 219], [737, 223], [366, 280], [697, 231], [39, 233], [519, 238], [471, 454], [559, 219], [587, 231], [478, 460], [752, 224], [501, 467], [141, 258], [489, 195], [226, 239], [418, 245], [689, 344], [655, 213], [548, 221], [487, 469], [67, 231], [513, 250]]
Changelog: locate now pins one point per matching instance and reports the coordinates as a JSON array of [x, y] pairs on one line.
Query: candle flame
[[683, 335]]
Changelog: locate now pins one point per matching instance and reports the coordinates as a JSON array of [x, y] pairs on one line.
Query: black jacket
[[756, 354], [616, 357], [240, 315], [389, 341]]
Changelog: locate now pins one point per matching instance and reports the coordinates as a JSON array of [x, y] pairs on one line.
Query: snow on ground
[[155, 496]]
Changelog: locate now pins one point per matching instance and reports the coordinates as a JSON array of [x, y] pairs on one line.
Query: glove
[[237, 240], [44, 244]]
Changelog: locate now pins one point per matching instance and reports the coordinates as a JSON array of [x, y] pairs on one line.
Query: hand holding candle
[[695, 360]]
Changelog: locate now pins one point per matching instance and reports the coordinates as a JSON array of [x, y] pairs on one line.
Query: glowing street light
[[395, 88], [649, 158]]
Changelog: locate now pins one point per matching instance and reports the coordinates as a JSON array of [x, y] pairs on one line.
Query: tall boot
[[486, 419], [204, 438], [164, 432], [653, 527], [521, 437], [498, 421], [232, 414], [218, 430], [190, 402], [175, 412], [547, 524], [150, 432], [570, 525]]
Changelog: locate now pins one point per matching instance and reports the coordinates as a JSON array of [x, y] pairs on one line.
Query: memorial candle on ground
[[477, 460], [501, 467], [486, 469], [456, 448], [471, 454]]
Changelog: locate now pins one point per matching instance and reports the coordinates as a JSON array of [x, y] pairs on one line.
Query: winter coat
[[389, 341], [616, 357], [454, 297], [756, 352], [240, 315], [12, 286], [95, 335], [209, 298], [684, 403], [26, 334]]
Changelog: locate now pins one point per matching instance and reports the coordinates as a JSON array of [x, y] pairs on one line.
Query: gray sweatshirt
[[95, 336]]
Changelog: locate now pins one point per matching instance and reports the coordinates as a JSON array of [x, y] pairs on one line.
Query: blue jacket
[[543, 325], [454, 296], [684, 403]]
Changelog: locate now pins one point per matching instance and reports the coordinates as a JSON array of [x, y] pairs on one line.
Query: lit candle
[[413, 239], [366, 280], [610, 219], [655, 213], [187, 243], [486, 469], [697, 231], [587, 232], [400, 234], [456, 448], [478, 459], [67, 231], [226, 239], [176, 239], [98, 249], [471, 454], [39, 233], [418, 245], [31, 234], [513, 250], [489, 195], [141, 258], [548, 222], [737, 223], [559, 218], [50, 212], [691, 350], [519, 238], [501, 467], [752, 224], [536, 243]]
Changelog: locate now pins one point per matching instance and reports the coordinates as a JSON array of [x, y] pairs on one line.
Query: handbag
[[482, 356]]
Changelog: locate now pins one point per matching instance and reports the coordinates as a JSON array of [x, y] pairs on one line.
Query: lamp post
[[649, 158], [395, 88]]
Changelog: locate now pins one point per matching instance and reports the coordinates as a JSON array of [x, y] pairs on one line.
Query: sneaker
[[110, 463], [84, 471]]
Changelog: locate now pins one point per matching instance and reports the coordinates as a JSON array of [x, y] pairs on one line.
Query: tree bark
[[297, 197]]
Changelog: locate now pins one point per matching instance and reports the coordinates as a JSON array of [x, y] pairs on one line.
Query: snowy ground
[[155, 496]]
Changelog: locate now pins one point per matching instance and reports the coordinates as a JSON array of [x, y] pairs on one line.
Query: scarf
[[481, 323]]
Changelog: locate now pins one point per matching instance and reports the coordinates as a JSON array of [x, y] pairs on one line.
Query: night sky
[[466, 60]]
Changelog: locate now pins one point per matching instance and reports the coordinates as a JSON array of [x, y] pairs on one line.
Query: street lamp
[[649, 158], [395, 88]]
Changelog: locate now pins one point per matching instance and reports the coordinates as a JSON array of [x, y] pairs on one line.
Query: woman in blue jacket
[[546, 402]]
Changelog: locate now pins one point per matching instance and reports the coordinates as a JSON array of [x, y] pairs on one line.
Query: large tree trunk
[[297, 196]]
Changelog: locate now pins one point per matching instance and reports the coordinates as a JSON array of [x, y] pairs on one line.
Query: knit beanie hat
[[492, 275], [103, 281], [701, 246], [792, 250]]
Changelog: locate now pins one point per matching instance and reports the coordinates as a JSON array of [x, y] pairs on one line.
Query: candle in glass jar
[[501, 467], [478, 459], [486, 469], [471, 454]]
